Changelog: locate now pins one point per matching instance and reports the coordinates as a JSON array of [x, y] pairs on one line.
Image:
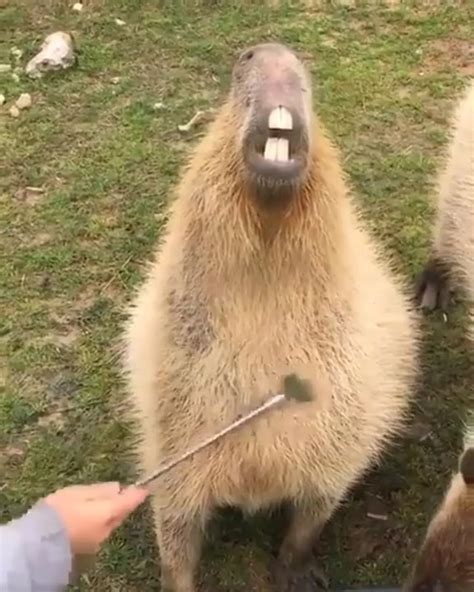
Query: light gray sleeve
[[35, 554]]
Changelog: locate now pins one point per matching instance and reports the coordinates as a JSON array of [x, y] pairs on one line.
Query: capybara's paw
[[432, 287]]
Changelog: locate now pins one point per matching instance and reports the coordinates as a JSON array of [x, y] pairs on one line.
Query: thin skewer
[[272, 402]]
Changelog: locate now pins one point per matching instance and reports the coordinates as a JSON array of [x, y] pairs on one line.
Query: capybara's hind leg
[[179, 538], [297, 569], [432, 285]]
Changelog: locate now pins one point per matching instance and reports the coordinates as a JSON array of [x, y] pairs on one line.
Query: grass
[[106, 159]]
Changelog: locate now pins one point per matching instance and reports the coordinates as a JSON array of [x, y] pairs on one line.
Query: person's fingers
[[108, 514], [133, 498], [114, 510], [104, 490], [95, 491], [129, 499]]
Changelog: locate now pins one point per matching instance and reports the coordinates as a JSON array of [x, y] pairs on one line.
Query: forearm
[[35, 554]]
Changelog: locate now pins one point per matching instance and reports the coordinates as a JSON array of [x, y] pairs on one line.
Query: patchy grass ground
[[105, 160]]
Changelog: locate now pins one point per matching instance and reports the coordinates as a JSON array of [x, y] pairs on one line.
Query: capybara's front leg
[[179, 538], [297, 568]]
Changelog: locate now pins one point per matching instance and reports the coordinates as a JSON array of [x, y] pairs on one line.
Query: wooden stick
[[273, 402]]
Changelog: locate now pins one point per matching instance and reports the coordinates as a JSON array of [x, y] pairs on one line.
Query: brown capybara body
[[264, 269], [446, 560], [452, 258]]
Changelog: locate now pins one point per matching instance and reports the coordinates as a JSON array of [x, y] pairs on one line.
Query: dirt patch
[[364, 543], [68, 338], [449, 54], [54, 421], [64, 338], [30, 196], [11, 454], [40, 240]]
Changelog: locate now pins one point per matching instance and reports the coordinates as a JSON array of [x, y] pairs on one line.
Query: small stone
[[23, 101], [158, 106], [5, 68], [2, 100], [57, 53], [16, 52], [15, 77], [30, 195], [78, 7], [195, 120], [120, 22], [115, 79], [14, 111]]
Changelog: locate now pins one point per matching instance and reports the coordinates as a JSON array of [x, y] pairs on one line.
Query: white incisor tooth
[[283, 150], [277, 149], [280, 118], [271, 148]]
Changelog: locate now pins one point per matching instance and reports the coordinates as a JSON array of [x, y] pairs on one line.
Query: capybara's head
[[446, 561], [272, 93]]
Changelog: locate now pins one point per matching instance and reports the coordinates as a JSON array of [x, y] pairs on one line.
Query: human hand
[[91, 512]]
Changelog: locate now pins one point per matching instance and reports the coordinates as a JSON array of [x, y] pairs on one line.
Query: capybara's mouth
[[276, 149]]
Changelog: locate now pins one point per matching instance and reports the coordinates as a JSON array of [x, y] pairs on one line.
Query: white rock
[[16, 52], [78, 6], [158, 106], [115, 80], [57, 52], [120, 22], [23, 101], [195, 120], [2, 100], [185, 127], [14, 111], [5, 68]]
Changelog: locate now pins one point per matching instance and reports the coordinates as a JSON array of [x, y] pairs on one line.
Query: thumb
[[123, 504], [110, 513]]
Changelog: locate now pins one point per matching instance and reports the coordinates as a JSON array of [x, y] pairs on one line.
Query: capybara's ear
[[466, 466]]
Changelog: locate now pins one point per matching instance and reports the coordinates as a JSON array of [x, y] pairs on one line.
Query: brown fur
[[452, 258], [446, 560], [238, 296]]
